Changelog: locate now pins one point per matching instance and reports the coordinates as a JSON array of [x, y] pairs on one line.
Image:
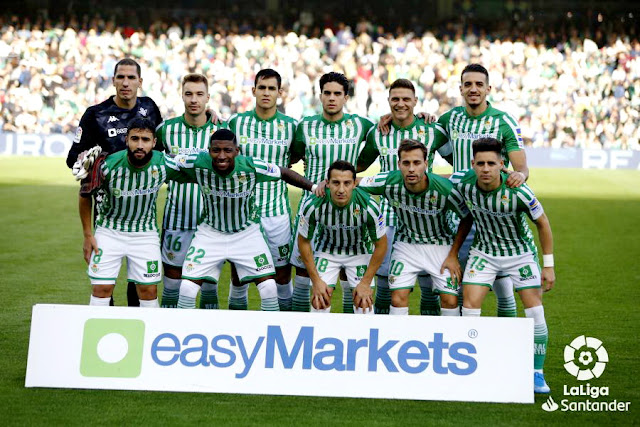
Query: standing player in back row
[[267, 134], [404, 125], [321, 140], [503, 242], [478, 119], [183, 135]]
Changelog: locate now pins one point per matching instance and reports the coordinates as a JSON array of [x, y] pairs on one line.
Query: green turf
[[594, 217]]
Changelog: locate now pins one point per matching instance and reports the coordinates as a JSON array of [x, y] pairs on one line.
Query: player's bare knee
[[147, 292], [172, 272], [531, 297], [400, 297], [448, 300], [102, 291], [283, 274], [302, 272]]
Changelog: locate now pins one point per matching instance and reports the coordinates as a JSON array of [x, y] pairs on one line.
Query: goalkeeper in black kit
[[103, 129]]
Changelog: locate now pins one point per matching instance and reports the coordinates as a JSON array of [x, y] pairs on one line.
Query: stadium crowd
[[566, 90]]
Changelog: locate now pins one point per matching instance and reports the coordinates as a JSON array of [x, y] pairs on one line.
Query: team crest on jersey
[[281, 127], [454, 134], [356, 211], [392, 279], [421, 133], [171, 256], [349, 123], [143, 112], [95, 268], [472, 273], [504, 200], [487, 124], [433, 198], [189, 267], [242, 177], [155, 173]]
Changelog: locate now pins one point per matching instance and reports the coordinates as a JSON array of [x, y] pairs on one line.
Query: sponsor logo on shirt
[[114, 132], [135, 192], [78, 135], [143, 112], [534, 205]]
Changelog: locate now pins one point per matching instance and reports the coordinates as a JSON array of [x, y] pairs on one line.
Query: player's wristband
[[313, 187], [547, 260]]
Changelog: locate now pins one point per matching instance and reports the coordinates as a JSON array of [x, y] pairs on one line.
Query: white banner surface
[[393, 357]]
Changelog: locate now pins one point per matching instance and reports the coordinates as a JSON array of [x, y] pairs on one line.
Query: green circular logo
[[116, 192]]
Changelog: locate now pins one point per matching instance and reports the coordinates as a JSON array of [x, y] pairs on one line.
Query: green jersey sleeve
[[370, 151], [511, 134], [375, 184], [376, 225], [307, 219], [298, 144], [528, 203], [457, 200], [266, 171]]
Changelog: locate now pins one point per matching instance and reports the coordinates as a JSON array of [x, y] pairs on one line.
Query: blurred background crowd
[[571, 81]]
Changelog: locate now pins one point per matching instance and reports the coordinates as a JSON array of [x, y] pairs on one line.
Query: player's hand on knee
[[89, 247], [363, 296], [548, 278], [320, 296], [452, 264]]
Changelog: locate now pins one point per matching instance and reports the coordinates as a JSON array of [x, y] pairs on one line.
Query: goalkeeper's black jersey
[[105, 124]]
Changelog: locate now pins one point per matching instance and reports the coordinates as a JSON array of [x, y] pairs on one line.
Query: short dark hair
[[195, 78], [410, 145], [475, 68], [341, 165], [486, 144], [268, 73], [223, 135], [335, 77], [402, 84], [127, 61], [141, 123]]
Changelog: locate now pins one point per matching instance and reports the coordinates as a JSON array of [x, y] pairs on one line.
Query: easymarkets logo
[[114, 348]]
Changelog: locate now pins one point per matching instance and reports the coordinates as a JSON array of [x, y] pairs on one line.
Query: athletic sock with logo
[[238, 297], [99, 301], [285, 290], [170, 292], [383, 295], [268, 295], [399, 311], [209, 296], [540, 335], [503, 288], [429, 302], [153, 303], [188, 293], [450, 311], [301, 294]]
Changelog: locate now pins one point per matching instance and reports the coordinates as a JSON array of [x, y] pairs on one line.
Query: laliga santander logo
[[585, 358]]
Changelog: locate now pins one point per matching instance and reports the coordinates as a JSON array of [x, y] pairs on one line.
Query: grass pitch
[[594, 218]]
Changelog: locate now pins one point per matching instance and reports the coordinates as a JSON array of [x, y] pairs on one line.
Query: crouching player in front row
[[503, 242], [350, 233], [421, 203]]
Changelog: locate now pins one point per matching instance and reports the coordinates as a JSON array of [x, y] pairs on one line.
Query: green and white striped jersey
[[229, 200], [322, 142], [499, 215], [268, 140], [130, 197], [350, 230], [386, 147], [422, 217], [462, 129], [184, 201]]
